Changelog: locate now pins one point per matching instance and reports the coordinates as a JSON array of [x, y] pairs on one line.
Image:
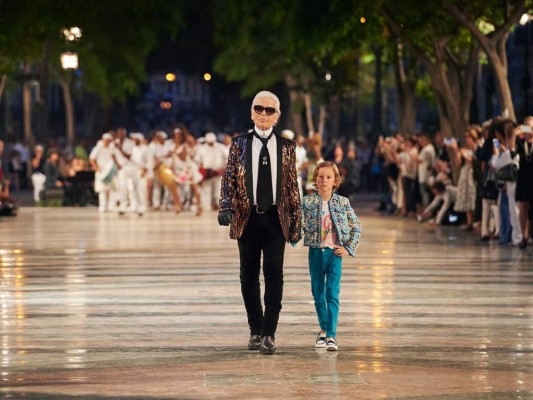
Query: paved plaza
[[99, 306]]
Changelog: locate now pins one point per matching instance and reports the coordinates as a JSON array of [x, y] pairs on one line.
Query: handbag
[[490, 190], [508, 173]]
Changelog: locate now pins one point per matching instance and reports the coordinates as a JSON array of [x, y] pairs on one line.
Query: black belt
[[258, 211]]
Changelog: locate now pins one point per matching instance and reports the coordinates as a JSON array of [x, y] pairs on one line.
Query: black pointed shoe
[[268, 345], [254, 343]]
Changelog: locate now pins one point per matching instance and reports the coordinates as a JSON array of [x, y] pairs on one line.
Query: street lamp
[[69, 59]]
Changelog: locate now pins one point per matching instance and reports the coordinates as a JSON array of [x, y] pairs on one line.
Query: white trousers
[[159, 191], [128, 177], [513, 213], [490, 218], [211, 192], [37, 179]]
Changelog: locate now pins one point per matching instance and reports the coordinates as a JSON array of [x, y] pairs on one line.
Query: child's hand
[[340, 251]]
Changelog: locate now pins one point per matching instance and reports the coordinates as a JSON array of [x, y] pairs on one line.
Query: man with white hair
[[211, 158], [259, 199]]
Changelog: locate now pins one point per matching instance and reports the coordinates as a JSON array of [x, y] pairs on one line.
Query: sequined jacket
[[236, 192], [346, 223]]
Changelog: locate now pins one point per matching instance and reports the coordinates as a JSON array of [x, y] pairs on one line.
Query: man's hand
[[225, 217], [295, 236]]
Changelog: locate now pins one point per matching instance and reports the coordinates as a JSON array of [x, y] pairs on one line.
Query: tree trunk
[[3, 83], [322, 115], [296, 122], [335, 115], [69, 111], [498, 63], [406, 88], [378, 100], [26, 106], [309, 113]]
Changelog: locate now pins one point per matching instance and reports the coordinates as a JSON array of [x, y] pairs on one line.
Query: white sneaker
[[320, 340], [331, 344]]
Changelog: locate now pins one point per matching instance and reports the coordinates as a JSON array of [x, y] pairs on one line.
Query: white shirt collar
[[263, 134]]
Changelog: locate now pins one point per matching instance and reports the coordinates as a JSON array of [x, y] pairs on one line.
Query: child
[[331, 230]]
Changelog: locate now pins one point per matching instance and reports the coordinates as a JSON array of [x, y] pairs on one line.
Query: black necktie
[[265, 197]]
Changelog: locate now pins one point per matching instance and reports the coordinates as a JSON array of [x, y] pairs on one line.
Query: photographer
[[502, 158]]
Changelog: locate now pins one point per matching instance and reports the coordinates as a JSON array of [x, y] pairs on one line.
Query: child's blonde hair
[[333, 166]]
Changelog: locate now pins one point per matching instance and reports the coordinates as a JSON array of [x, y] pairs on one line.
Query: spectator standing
[[426, 158], [211, 158], [466, 187], [524, 184], [38, 176], [502, 157]]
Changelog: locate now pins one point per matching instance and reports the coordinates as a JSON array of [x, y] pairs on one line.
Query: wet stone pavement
[[106, 307]]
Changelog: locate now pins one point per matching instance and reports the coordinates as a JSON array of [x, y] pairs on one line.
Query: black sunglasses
[[268, 110]]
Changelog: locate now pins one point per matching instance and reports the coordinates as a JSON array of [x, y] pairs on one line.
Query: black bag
[[509, 173], [490, 190]]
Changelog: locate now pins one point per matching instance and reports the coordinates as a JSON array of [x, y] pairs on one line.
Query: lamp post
[[526, 77], [69, 61]]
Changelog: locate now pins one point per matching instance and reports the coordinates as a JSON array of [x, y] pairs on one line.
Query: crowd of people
[[132, 172], [482, 180]]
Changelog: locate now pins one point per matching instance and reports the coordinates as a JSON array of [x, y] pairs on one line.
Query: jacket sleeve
[[229, 179], [296, 211], [355, 230]]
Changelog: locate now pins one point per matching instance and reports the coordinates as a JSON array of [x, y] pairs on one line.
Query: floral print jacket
[[346, 223]]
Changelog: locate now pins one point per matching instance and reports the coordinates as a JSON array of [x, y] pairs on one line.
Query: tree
[[446, 51], [112, 51], [499, 17]]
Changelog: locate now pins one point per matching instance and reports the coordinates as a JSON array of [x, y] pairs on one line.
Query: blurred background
[[71, 70]]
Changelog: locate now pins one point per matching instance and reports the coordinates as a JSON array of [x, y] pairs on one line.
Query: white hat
[[137, 135], [107, 136], [287, 133], [161, 134], [210, 137]]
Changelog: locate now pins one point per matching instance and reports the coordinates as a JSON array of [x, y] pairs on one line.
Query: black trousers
[[262, 234]]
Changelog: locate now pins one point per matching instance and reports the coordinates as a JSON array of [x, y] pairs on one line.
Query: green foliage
[[117, 37]]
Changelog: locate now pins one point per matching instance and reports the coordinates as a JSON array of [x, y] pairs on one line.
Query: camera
[[526, 129]]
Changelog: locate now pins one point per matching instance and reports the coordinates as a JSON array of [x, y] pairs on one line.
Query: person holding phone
[[466, 187], [509, 211], [522, 144]]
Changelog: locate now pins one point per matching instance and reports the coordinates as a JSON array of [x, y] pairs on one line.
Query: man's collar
[[263, 134]]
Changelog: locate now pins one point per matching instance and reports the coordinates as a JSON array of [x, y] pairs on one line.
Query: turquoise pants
[[325, 269]]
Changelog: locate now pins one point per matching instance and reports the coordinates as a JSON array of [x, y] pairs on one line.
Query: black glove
[[225, 217], [296, 234]]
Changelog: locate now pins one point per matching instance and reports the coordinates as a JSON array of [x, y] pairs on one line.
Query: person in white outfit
[[301, 157], [127, 173], [211, 158], [103, 163], [140, 157], [501, 158]]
